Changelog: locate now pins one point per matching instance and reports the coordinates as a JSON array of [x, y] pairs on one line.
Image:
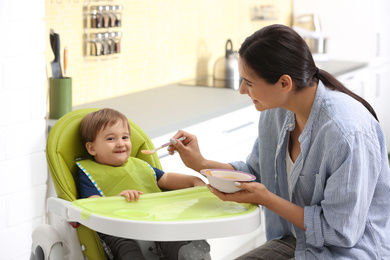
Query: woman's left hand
[[252, 192]]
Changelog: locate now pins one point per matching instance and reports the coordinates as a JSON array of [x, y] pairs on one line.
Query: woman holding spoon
[[320, 159]]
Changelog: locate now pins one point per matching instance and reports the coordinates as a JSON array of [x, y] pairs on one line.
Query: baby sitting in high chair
[[112, 172]]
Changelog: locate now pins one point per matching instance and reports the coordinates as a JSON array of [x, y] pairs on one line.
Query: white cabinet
[[226, 138], [356, 30], [380, 32], [357, 81]]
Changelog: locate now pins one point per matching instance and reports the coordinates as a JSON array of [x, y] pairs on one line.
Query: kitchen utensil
[[224, 180], [226, 69], [65, 60], [55, 46], [162, 146]]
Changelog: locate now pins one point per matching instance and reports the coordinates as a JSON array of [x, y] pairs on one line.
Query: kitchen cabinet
[[357, 81], [356, 30], [225, 138], [378, 97]]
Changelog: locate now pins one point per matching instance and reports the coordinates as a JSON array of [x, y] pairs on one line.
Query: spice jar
[[96, 47], [118, 15], [117, 39]]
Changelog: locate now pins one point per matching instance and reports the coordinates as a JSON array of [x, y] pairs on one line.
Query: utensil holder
[[60, 97]]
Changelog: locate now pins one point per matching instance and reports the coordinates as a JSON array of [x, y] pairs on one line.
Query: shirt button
[[291, 125]]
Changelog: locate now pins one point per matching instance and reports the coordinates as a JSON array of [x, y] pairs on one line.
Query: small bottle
[[112, 16], [95, 44], [106, 44], [106, 16], [118, 14], [117, 39]]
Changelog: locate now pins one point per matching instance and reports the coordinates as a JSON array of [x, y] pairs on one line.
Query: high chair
[[188, 214], [64, 146]]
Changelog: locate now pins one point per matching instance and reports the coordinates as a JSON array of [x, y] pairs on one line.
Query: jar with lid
[[106, 16], [96, 47], [106, 43], [112, 16], [118, 15], [96, 17], [117, 40]]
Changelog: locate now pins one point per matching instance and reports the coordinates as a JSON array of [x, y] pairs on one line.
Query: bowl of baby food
[[223, 180]]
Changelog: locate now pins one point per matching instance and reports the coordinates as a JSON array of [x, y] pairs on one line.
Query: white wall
[[23, 170]]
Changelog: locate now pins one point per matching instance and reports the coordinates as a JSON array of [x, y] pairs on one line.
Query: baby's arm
[[175, 181], [131, 195]]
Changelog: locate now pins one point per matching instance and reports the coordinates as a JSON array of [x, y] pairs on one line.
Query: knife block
[[60, 97]]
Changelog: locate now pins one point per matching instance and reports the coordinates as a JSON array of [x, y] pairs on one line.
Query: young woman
[[320, 158]]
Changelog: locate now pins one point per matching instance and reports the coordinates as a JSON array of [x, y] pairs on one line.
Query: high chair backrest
[[64, 146]]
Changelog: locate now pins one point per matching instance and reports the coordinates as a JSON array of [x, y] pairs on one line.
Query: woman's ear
[[90, 148], [286, 82]]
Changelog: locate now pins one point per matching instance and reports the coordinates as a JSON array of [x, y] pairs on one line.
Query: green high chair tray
[[188, 214]]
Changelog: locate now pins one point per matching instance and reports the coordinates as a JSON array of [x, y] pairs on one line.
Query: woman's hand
[[188, 150], [131, 195], [252, 192]]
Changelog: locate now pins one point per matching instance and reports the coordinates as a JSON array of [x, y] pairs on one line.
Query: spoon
[[162, 146]]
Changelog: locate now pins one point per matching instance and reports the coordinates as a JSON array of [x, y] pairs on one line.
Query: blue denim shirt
[[341, 178]]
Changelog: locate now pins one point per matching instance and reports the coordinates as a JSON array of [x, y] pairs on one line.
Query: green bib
[[135, 174]]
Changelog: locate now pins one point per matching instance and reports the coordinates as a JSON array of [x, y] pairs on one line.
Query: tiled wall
[[163, 41], [23, 170]]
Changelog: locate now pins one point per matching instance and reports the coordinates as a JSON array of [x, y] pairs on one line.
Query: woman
[[320, 158]]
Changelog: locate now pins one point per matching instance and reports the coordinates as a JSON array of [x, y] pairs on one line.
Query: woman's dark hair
[[277, 50]]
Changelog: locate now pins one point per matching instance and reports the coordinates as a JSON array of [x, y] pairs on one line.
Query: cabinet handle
[[378, 85], [378, 44], [238, 127]]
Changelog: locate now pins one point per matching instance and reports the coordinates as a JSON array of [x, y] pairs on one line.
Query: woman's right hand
[[188, 150]]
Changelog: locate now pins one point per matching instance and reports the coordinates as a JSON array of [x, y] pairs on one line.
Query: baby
[[112, 172]]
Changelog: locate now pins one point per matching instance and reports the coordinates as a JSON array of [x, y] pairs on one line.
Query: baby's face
[[112, 145]]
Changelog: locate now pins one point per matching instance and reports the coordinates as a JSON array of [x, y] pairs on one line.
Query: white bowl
[[223, 180]]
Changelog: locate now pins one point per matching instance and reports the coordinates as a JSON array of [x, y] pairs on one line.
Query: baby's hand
[[131, 195]]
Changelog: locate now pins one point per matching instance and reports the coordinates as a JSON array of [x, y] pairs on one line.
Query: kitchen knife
[[55, 46]]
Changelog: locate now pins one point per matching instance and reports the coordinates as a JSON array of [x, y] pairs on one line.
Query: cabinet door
[[381, 31], [225, 138], [357, 81], [379, 98]]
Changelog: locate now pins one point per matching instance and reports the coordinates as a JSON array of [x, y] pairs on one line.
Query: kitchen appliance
[[309, 27], [225, 74], [226, 68]]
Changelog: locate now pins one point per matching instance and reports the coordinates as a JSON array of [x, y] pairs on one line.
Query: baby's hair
[[97, 121]]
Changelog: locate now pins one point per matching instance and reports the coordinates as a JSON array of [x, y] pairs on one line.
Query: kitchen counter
[[170, 108], [337, 68], [167, 109]]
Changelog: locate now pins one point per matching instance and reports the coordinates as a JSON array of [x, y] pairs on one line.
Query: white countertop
[[167, 109]]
